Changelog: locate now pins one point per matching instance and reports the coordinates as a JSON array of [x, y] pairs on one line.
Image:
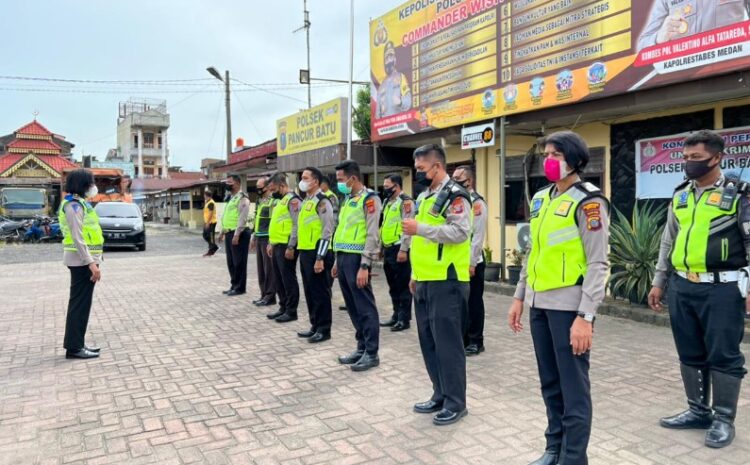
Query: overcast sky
[[173, 39]]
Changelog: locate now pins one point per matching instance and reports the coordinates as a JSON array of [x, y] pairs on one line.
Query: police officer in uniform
[[209, 223], [234, 232], [398, 207], [440, 254], [357, 245], [282, 237], [706, 242], [474, 335], [563, 280], [83, 245], [315, 229], [259, 243], [325, 186]]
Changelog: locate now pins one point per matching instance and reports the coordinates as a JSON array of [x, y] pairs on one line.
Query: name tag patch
[[564, 208]]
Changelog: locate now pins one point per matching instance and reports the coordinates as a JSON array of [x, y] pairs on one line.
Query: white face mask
[[304, 186], [91, 193]]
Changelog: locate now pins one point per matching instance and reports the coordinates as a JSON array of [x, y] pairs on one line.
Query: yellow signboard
[[442, 63], [318, 127]]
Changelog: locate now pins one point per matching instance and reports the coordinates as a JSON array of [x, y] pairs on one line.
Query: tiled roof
[[29, 145], [55, 162], [34, 128], [193, 175]]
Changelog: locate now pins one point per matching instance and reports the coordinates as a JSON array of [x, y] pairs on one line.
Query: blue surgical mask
[[344, 189]]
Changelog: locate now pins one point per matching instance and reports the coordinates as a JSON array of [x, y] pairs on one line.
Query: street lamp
[[215, 73]]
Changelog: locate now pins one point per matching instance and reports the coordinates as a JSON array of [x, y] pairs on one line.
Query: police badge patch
[[536, 205], [682, 200]]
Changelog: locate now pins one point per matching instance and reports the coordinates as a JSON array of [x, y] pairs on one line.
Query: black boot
[[698, 389], [726, 392], [550, 457]]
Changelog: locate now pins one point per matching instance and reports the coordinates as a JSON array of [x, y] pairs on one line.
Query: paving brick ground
[[190, 376]]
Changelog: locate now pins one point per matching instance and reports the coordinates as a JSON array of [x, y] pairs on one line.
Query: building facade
[[142, 126]]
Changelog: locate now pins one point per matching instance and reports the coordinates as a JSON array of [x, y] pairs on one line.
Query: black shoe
[[318, 337], [83, 353], [400, 326], [474, 349], [257, 301], [274, 315], [430, 406], [698, 389], [286, 318], [448, 417], [309, 333], [549, 458], [351, 358], [93, 349], [227, 291], [726, 394], [265, 303], [366, 362], [343, 307], [234, 293], [387, 323]]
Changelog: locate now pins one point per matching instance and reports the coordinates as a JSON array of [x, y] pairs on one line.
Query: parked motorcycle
[[43, 229], [13, 230]]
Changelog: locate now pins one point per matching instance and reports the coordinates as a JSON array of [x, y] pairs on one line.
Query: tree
[[361, 115]]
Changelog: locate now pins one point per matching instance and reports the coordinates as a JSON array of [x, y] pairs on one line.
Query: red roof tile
[[34, 144], [6, 161], [55, 162], [34, 128], [193, 175]]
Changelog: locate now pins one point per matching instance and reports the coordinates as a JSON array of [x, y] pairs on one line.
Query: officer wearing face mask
[[706, 243], [315, 226], [563, 281], [440, 260], [259, 243]]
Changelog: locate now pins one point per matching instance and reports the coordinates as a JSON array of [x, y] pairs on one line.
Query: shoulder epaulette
[[682, 185]]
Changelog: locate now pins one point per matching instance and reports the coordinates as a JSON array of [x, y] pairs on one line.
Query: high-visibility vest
[[263, 216], [231, 217], [351, 232], [709, 238], [92, 231], [281, 221], [209, 214], [557, 257], [431, 261], [390, 230], [309, 226]]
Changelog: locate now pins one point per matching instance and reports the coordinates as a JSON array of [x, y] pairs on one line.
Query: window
[[135, 140], [148, 140]]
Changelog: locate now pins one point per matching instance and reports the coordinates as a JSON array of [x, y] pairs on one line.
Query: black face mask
[[697, 169], [277, 195], [464, 183], [422, 179], [260, 191], [387, 193]]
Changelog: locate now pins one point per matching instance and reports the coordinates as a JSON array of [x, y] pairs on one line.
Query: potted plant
[[516, 257], [634, 249], [492, 269]]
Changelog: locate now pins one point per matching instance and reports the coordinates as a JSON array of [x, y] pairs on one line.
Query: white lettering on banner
[[395, 128]]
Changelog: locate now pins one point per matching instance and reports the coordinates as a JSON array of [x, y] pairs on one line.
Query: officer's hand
[[514, 316], [402, 256], [236, 240], [412, 286], [654, 298], [363, 278], [670, 28], [289, 254], [409, 226], [581, 336], [747, 306], [472, 270], [318, 266], [221, 237], [269, 250], [96, 274], [335, 271], [252, 245]]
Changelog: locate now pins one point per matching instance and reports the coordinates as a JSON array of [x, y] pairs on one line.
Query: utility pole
[[351, 81], [215, 73], [306, 27]]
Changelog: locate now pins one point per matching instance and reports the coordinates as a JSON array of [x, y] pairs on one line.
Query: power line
[[164, 82], [247, 114], [268, 91]]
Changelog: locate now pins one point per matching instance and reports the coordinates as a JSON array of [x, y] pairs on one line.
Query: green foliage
[[361, 113], [488, 254], [516, 257], [634, 250]]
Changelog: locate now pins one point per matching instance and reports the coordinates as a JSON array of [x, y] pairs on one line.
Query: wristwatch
[[365, 266], [590, 317]]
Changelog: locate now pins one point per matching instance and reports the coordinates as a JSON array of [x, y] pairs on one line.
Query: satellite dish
[[523, 235]]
